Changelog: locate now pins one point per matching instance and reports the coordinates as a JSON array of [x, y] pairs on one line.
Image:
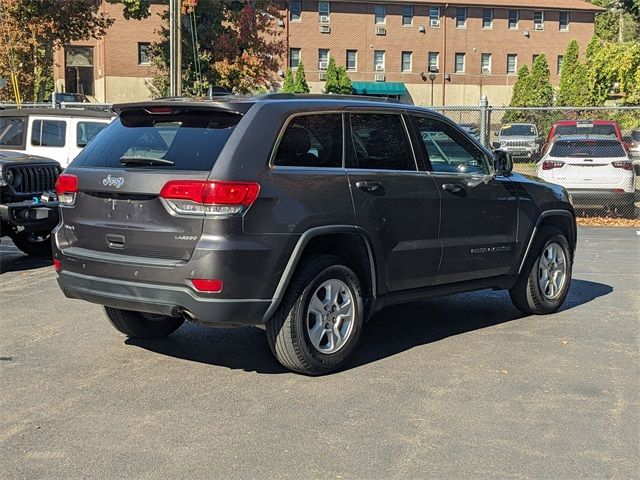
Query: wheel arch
[[347, 241]]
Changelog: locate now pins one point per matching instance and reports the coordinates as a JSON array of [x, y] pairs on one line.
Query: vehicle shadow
[[13, 260], [412, 325]]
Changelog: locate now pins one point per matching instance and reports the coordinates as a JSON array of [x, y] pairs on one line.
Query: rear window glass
[[586, 129], [11, 131], [48, 133], [188, 140], [87, 131], [588, 149], [518, 130], [312, 141], [635, 136]]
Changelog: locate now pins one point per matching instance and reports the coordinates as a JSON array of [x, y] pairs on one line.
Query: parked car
[[521, 140], [471, 129], [58, 98], [595, 169], [586, 127], [59, 134], [305, 214], [28, 206], [634, 150]]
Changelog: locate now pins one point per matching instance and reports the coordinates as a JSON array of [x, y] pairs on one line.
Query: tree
[[345, 87], [332, 85], [574, 90], [614, 70], [288, 84], [300, 85], [33, 29], [541, 89], [519, 96], [229, 43], [608, 23]]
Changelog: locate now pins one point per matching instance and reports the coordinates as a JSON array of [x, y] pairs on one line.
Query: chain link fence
[[595, 155], [595, 152]]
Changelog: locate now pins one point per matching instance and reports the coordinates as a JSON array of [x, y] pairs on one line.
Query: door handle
[[368, 185], [452, 187]]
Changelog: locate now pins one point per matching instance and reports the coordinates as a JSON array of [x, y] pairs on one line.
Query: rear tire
[[544, 281], [320, 320], [35, 244], [142, 325]]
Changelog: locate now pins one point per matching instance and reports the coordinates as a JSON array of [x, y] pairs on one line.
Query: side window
[[380, 142], [311, 141], [48, 133], [86, 131], [448, 150]]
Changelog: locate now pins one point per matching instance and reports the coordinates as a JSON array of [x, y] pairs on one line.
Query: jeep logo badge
[[113, 181]]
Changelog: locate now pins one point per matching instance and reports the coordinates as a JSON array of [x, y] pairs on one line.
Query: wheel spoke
[[345, 308], [316, 334], [316, 306]]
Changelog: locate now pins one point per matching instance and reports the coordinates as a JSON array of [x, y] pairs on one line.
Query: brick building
[[421, 50]]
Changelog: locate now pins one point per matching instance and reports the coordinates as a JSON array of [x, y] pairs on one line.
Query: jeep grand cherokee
[[306, 214]]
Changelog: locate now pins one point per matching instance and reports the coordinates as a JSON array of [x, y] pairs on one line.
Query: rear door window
[[11, 131], [449, 151], [380, 142], [87, 131], [48, 133], [188, 139], [311, 141]]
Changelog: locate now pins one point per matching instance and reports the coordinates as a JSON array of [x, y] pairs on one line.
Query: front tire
[[142, 325], [320, 320], [35, 244], [544, 281]]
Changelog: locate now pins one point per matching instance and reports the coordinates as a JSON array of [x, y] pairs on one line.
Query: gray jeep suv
[[306, 214]]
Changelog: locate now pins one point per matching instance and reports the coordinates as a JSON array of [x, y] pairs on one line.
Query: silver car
[[521, 140]]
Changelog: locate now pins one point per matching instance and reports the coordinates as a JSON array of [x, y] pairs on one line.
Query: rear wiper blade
[[145, 161]]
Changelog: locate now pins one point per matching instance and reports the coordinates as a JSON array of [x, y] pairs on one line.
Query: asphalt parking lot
[[460, 387]]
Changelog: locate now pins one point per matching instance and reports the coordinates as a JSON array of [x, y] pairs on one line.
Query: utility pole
[[175, 49]]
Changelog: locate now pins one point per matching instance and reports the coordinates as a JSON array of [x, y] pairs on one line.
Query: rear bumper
[[33, 217], [600, 198], [162, 299]]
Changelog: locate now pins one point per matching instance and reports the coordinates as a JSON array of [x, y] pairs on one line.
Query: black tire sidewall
[[322, 361]]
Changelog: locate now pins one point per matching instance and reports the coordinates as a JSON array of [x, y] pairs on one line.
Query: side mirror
[[502, 162]]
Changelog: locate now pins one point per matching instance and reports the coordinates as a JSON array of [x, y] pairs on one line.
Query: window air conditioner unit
[[538, 26], [434, 23], [325, 29], [323, 65], [322, 76], [324, 18], [379, 77], [379, 68], [381, 31], [421, 29], [433, 69], [486, 70]]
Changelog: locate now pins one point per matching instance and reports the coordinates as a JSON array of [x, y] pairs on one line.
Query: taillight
[[56, 265], [551, 164], [66, 188], [197, 197], [207, 285], [623, 165]]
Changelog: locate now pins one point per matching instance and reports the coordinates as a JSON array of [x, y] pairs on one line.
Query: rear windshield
[[191, 139], [588, 149], [519, 130], [635, 136], [11, 131], [586, 129]]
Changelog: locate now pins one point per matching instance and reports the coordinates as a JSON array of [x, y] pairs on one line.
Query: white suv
[[55, 133], [596, 171]]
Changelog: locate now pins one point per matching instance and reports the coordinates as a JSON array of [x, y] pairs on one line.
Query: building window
[[487, 17], [485, 63], [406, 62], [295, 10], [294, 57], [378, 60], [143, 53], [538, 20], [323, 12], [512, 63], [461, 17], [380, 12], [459, 67], [434, 62], [533, 58], [559, 65], [323, 58], [514, 18], [407, 15], [434, 16], [352, 60], [564, 21]]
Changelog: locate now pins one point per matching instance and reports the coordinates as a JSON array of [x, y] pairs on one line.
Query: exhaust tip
[[188, 316]]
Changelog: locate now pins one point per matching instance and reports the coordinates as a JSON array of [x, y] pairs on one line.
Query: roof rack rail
[[323, 96]]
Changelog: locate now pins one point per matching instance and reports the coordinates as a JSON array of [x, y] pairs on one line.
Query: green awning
[[379, 88]]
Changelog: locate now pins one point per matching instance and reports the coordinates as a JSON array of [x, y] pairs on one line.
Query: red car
[[586, 127]]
